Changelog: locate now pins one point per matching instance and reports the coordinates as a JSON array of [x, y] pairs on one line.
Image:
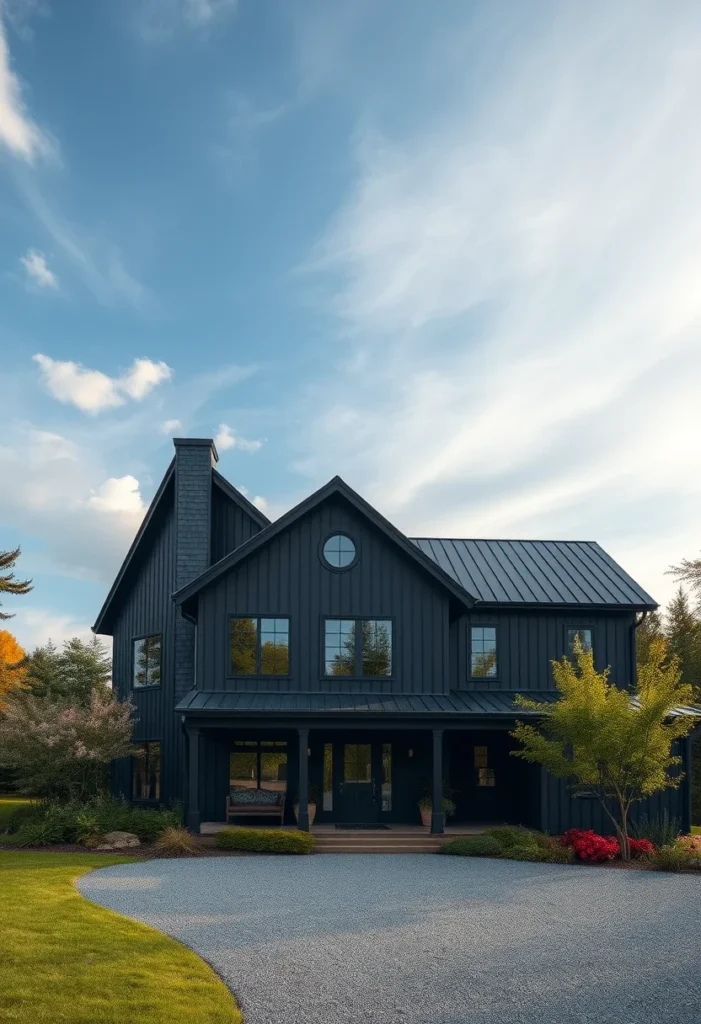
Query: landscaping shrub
[[21, 814], [473, 846], [675, 858], [526, 852], [39, 833], [660, 830], [176, 841], [261, 840], [690, 844], [640, 848], [590, 847], [509, 836], [85, 822]]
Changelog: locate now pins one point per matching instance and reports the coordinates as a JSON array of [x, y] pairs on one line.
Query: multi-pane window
[[147, 661], [585, 639], [483, 652], [259, 646], [484, 775], [146, 772], [386, 776], [339, 551], [259, 766], [358, 647]]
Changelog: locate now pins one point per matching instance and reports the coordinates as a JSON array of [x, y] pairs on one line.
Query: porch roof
[[473, 702], [461, 703]]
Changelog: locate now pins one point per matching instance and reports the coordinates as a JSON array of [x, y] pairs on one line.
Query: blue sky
[[449, 252]]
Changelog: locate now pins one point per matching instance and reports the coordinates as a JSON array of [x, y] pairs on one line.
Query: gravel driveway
[[427, 939]]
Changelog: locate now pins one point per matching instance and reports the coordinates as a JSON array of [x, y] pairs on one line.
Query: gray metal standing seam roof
[[562, 572], [490, 703]]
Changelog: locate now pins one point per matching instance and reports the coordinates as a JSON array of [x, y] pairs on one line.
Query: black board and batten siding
[[231, 525], [147, 608], [528, 640], [287, 578]]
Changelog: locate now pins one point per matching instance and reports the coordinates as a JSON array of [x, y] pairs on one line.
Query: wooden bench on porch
[[243, 802]]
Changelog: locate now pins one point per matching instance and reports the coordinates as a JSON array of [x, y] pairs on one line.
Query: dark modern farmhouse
[[327, 658]]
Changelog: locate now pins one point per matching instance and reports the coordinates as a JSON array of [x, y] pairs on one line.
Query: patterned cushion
[[244, 795]]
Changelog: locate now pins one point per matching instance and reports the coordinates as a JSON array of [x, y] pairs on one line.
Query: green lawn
[[66, 961], [8, 804], [696, 830]]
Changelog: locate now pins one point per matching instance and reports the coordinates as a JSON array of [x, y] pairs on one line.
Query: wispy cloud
[[517, 288], [38, 272], [92, 391], [158, 21], [225, 438], [171, 426], [19, 133]]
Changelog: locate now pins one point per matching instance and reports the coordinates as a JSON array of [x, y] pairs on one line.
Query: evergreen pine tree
[[8, 583]]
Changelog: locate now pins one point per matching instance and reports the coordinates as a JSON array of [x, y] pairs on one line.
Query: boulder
[[118, 841]]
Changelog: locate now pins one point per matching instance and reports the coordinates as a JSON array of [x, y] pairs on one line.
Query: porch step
[[371, 841]]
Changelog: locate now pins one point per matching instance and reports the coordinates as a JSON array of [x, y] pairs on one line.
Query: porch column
[[192, 818], [437, 811], [303, 815]]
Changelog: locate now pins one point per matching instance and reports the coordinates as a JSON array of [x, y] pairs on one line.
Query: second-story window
[[147, 661], [358, 647], [259, 646], [585, 638], [483, 652]]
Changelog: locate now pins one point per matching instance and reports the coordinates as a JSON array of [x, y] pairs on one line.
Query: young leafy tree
[[12, 664], [72, 674], [612, 748], [8, 583], [63, 752]]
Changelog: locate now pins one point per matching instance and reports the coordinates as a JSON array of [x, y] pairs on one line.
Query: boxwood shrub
[[264, 840], [472, 846]]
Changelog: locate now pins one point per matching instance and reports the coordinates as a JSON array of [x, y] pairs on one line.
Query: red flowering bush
[[589, 846], [641, 848], [593, 848]]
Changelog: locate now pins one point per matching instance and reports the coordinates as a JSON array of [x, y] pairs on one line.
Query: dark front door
[[358, 791]]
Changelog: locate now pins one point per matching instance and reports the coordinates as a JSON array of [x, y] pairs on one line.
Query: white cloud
[[143, 377], [118, 494], [260, 503], [171, 426], [18, 132], [225, 438], [34, 626], [92, 391], [516, 287], [38, 272]]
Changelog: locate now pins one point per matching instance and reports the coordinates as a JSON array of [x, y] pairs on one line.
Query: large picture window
[[146, 771], [259, 646], [483, 652], [259, 766], [358, 647], [147, 661]]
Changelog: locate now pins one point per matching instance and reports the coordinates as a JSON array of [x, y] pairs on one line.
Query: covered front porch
[[372, 775]]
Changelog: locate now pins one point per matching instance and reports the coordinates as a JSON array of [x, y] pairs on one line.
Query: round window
[[339, 551]]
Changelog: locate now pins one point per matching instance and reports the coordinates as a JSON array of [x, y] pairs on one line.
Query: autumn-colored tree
[[13, 669], [613, 748], [8, 583]]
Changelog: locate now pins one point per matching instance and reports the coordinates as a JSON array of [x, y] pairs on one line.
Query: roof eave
[[334, 486]]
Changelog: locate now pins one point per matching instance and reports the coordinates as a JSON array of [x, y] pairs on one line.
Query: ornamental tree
[[12, 664], [60, 751], [612, 747]]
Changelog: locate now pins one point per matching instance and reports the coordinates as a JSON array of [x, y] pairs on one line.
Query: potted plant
[[311, 806], [426, 805]]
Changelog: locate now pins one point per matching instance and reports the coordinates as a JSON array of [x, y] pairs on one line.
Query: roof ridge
[[512, 540]]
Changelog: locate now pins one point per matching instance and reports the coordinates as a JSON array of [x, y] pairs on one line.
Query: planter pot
[[425, 813], [311, 809]]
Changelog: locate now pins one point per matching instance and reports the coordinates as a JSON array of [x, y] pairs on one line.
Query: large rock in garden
[[118, 841]]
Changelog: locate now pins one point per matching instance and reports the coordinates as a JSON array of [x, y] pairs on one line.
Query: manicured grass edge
[[221, 1007]]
